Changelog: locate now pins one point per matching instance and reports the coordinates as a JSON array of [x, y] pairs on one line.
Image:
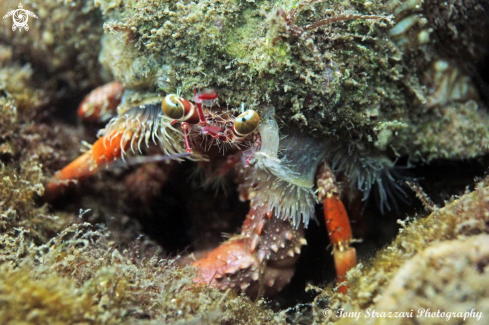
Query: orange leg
[[102, 102], [338, 225], [339, 231], [104, 151]]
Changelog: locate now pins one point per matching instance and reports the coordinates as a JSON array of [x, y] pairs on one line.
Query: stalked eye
[[246, 122], [172, 107]]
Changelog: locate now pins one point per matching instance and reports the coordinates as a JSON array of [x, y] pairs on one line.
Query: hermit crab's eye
[[246, 122], [172, 107]]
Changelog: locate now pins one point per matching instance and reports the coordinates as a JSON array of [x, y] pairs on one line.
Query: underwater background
[[390, 90]]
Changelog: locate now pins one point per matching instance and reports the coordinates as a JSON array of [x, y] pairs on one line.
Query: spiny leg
[[337, 224], [105, 150], [185, 129], [339, 231]]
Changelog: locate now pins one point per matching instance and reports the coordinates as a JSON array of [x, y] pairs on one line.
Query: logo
[[20, 17]]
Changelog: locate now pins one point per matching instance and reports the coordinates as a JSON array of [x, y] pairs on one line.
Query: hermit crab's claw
[[337, 224], [259, 261], [99, 105]]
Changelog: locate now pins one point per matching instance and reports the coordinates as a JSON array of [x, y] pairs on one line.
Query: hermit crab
[[282, 173]]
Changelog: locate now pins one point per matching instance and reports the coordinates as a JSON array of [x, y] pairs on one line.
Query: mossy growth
[[80, 276], [457, 130], [240, 49], [22, 150]]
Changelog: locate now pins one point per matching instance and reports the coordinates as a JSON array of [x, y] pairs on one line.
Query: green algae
[[80, 277], [239, 54]]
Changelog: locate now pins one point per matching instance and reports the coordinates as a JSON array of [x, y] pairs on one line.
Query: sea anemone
[[366, 169], [283, 180]]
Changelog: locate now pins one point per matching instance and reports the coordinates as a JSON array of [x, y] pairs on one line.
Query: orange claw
[[217, 263], [104, 151], [101, 103], [261, 260], [340, 235]]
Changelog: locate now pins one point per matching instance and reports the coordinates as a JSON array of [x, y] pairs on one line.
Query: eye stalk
[[246, 123]]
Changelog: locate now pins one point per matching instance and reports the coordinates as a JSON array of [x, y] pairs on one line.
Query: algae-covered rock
[[438, 262], [450, 276], [80, 276]]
